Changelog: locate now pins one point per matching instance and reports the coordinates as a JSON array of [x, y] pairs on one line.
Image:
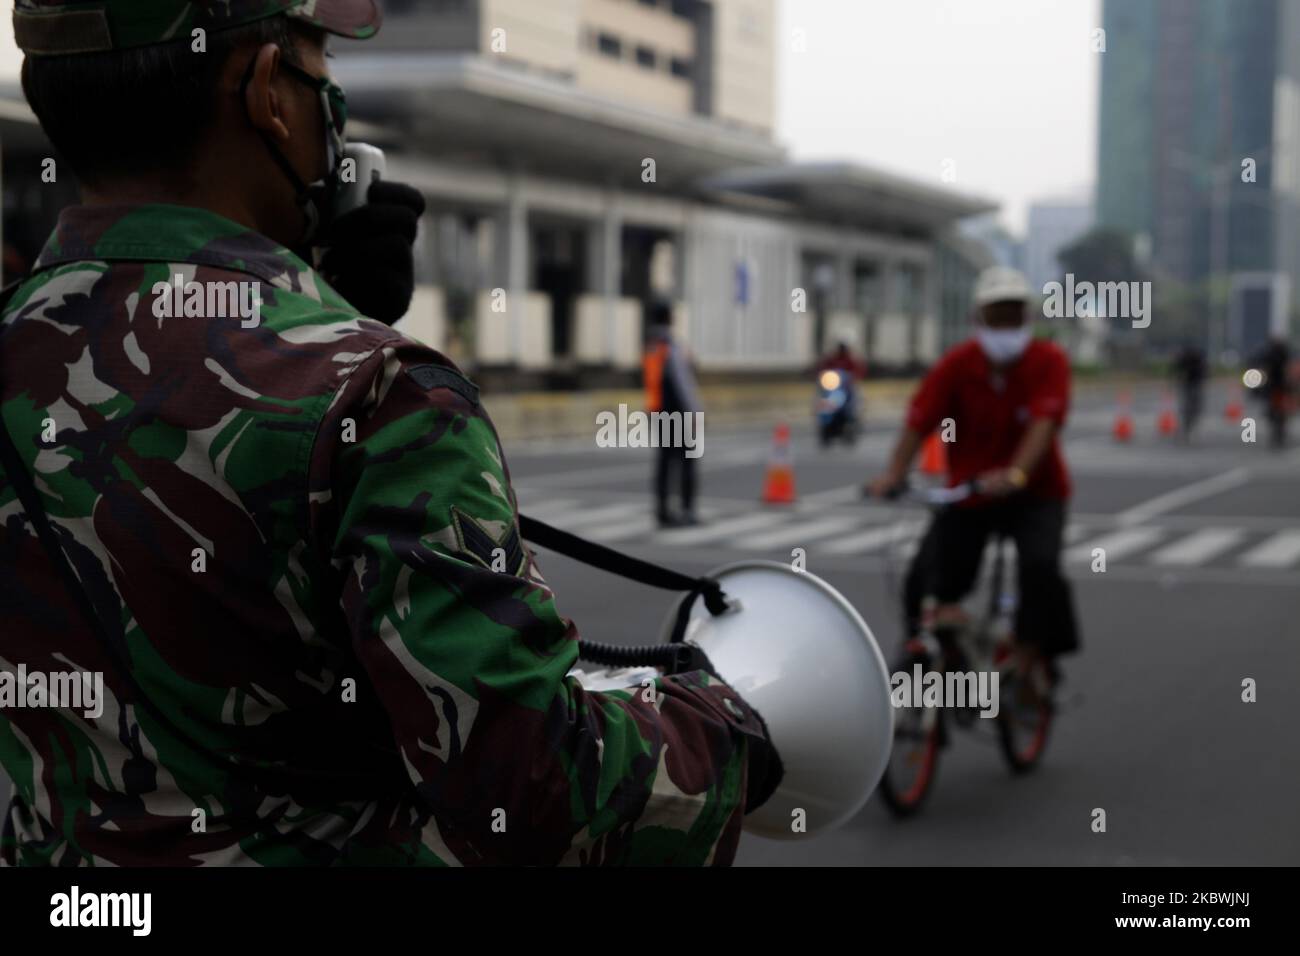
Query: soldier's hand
[[765, 768], [368, 256]]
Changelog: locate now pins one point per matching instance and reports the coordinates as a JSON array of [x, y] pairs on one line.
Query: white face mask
[[1003, 345]]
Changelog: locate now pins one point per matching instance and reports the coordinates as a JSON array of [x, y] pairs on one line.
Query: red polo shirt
[[993, 409]]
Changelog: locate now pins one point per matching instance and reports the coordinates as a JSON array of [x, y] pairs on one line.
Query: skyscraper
[[1198, 149]]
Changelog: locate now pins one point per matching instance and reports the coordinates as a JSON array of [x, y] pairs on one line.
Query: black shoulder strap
[[634, 569], [615, 562]]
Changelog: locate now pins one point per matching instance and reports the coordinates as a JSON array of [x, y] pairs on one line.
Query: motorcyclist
[[1274, 360]]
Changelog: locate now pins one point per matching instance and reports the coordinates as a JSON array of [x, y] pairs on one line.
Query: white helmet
[[796, 650], [1001, 284]]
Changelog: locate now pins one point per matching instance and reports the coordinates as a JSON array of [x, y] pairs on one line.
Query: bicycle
[[986, 644]]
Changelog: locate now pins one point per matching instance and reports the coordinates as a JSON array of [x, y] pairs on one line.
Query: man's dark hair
[[127, 113]]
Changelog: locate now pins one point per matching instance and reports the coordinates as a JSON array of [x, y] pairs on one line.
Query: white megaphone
[[796, 650]]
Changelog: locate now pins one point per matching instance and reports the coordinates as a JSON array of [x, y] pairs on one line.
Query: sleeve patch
[[477, 543], [429, 377]]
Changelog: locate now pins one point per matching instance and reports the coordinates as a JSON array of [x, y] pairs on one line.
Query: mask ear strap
[[303, 191]]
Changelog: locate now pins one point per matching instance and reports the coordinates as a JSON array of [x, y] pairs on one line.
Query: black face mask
[[316, 200]]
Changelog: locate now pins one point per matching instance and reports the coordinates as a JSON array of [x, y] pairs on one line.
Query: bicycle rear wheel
[[1024, 715], [914, 760]]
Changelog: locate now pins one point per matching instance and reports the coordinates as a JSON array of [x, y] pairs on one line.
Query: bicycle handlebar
[[936, 497]]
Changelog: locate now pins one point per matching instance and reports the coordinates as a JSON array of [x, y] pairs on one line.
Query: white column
[[844, 297], [516, 258], [611, 262]]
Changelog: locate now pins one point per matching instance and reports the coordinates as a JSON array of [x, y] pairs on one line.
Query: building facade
[[582, 163]]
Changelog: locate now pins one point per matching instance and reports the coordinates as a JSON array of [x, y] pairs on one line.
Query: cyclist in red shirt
[[1003, 397]]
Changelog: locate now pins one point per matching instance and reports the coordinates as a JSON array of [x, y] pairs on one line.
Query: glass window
[[609, 45], [646, 57]]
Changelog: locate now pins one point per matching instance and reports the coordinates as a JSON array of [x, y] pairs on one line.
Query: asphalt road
[[1202, 589]]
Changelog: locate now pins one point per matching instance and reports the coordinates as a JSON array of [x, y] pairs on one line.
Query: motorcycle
[[837, 408], [1276, 398]]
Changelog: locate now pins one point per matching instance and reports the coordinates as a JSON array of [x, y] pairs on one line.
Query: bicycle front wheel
[[914, 760]]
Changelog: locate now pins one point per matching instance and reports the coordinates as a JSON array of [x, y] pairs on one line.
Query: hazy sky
[[1006, 89]]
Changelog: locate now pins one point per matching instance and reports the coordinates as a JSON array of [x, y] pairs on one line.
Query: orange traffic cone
[[934, 457], [1167, 421], [778, 487], [1235, 407], [1124, 418]]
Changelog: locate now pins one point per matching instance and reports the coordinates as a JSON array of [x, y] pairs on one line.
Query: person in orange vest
[[670, 387]]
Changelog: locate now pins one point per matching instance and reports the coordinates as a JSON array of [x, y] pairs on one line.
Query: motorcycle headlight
[[830, 380], [1253, 378]]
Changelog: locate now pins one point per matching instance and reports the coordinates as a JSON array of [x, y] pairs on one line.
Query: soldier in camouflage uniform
[[301, 538]]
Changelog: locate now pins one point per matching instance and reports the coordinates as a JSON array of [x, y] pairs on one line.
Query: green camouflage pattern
[[54, 27], [368, 668]]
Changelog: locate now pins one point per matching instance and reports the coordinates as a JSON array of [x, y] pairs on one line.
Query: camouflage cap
[[67, 27]]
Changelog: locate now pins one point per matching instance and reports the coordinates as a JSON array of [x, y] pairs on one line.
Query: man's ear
[[261, 98]]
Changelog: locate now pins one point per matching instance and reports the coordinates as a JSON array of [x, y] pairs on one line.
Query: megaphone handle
[[670, 658]]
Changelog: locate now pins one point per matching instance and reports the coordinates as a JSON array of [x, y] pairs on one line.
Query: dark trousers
[[670, 460], [948, 561]]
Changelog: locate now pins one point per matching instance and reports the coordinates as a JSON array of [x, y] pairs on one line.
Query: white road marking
[[1279, 551], [712, 532], [619, 532], [546, 509], [1179, 497], [727, 458], [581, 517], [846, 494], [1199, 547], [872, 538], [794, 534], [1117, 544]]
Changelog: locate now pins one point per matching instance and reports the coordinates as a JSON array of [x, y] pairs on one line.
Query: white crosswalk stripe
[[685, 537], [580, 518], [846, 532], [621, 531], [1279, 551], [545, 508], [872, 538], [796, 533], [1198, 547], [1117, 544]]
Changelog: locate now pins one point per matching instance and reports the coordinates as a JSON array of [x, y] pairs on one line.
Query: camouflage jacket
[[300, 534]]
